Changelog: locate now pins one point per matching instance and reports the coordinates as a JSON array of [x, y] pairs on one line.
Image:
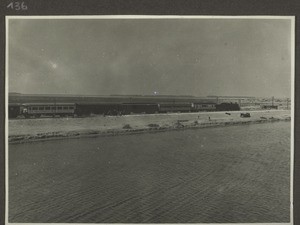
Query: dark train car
[[85, 109], [14, 110], [199, 106], [175, 107], [269, 106], [228, 107], [142, 108]]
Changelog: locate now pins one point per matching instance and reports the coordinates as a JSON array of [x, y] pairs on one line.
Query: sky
[[199, 57]]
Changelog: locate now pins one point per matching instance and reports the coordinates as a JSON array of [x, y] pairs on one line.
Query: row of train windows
[[174, 106], [205, 105], [52, 108]]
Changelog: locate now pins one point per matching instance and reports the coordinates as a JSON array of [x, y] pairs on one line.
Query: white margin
[[6, 118], [293, 32], [82, 17], [149, 17]]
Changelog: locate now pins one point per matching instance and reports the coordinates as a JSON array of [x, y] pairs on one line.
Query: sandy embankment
[[27, 130]]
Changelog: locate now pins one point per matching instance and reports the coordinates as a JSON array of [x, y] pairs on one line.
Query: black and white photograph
[[149, 119]]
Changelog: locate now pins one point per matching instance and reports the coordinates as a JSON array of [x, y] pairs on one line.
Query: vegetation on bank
[[152, 127]]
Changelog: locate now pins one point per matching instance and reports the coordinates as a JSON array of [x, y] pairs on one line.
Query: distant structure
[[268, 106], [231, 99]]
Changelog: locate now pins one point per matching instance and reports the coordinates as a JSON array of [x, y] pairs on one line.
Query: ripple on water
[[224, 174]]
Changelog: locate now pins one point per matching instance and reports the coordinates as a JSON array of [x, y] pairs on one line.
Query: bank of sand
[[28, 130]]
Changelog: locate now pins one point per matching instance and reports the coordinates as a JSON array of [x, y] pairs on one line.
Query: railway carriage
[[199, 106], [139, 108], [175, 107], [228, 107], [47, 109], [88, 108], [14, 110]]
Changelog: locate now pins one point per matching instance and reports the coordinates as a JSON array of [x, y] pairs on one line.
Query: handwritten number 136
[[17, 6]]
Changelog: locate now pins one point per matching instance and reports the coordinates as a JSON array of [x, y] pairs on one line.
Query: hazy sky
[[141, 56]]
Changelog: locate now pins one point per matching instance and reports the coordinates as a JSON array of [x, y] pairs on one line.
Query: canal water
[[225, 174]]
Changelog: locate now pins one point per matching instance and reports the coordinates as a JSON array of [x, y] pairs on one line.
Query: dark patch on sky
[[197, 57]]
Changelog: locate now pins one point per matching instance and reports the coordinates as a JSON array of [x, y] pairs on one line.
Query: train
[[36, 110]]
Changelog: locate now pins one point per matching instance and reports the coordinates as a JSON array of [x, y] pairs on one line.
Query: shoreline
[[131, 129]]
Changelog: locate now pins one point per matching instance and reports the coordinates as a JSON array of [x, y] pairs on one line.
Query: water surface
[[225, 174]]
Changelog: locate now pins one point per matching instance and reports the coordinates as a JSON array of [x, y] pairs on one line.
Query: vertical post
[[287, 103], [272, 101], [55, 106]]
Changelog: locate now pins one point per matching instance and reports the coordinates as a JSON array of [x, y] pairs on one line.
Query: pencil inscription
[[18, 6]]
